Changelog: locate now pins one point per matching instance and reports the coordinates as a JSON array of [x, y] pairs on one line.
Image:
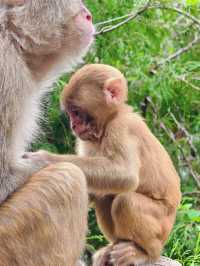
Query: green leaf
[[194, 215], [192, 2]]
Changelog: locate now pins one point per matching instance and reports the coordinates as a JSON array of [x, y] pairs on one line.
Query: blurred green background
[[169, 99]]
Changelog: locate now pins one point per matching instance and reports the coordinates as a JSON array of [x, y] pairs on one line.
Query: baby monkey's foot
[[102, 257], [126, 254]]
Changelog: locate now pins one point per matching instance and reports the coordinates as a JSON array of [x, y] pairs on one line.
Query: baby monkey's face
[[92, 98], [82, 123]]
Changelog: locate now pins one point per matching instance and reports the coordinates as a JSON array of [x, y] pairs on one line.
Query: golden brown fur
[[45, 222], [133, 182]]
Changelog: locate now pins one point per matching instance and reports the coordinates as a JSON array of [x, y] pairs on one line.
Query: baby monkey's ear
[[114, 91]]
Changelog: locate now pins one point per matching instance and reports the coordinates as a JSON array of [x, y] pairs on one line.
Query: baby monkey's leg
[[144, 224], [103, 213], [104, 219]]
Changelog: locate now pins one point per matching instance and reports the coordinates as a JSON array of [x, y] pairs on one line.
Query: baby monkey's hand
[[40, 157]]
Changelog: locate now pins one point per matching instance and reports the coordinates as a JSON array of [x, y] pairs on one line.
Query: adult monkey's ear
[[12, 2]]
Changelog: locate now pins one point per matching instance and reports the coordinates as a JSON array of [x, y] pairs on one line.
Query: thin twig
[[186, 133], [133, 15], [178, 10], [171, 136], [128, 17], [191, 193], [196, 78], [178, 53], [195, 176], [112, 20], [183, 79]]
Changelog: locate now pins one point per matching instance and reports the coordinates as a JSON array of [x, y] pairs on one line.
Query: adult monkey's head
[[51, 34]]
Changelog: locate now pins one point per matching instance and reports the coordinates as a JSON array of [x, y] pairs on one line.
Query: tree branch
[[183, 79], [133, 15], [178, 53], [127, 17], [180, 11], [170, 134], [187, 135], [191, 193], [111, 20], [172, 137]]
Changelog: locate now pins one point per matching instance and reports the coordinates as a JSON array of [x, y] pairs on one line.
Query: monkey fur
[[130, 176]]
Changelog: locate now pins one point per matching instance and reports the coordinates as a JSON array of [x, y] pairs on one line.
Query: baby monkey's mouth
[[82, 123]]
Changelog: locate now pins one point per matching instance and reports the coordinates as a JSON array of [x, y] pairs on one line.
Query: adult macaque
[[131, 177], [39, 40], [43, 223]]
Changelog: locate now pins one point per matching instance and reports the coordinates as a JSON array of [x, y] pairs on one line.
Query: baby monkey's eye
[[72, 108], [88, 118], [76, 113]]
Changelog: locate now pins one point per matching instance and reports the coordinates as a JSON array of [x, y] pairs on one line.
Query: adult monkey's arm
[[44, 223]]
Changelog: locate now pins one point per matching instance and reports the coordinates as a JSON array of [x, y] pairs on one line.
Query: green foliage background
[[134, 49]]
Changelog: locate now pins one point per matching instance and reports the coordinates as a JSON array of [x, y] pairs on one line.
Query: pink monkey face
[[85, 25]]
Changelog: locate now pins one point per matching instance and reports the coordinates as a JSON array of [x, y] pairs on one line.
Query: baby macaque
[[130, 176]]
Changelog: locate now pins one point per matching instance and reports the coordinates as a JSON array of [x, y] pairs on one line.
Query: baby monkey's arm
[[104, 176]]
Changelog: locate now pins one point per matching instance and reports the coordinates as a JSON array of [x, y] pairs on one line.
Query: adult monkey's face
[[80, 25], [63, 28], [83, 21]]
